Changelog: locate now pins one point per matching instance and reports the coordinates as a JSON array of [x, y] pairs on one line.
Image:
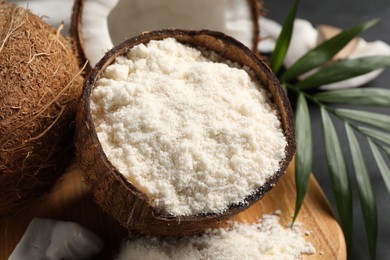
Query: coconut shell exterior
[[40, 87], [256, 7], [117, 196]]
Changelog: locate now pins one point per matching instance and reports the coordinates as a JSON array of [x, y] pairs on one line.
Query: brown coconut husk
[[40, 85], [78, 43], [116, 195]]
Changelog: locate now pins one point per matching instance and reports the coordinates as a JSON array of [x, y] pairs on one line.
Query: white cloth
[[51, 239]]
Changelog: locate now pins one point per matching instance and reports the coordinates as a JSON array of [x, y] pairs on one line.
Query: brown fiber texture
[[124, 201], [40, 85]]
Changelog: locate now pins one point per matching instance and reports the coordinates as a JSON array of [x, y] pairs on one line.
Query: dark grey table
[[345, 14]]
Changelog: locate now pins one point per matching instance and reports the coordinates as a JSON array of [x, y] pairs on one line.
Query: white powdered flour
[[264, 240], [193, 134]]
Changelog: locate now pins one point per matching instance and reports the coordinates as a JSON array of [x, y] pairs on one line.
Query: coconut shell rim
[[126, 45]]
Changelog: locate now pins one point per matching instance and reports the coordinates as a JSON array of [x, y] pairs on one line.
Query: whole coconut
[[40, 85]]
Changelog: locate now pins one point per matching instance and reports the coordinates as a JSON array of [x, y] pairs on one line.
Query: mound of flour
[[194, 134]]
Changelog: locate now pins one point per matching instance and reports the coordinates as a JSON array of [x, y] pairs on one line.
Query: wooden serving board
[[71, 200]]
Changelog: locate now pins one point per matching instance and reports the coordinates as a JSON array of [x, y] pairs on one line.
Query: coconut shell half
[[40, 85], [117, 196]]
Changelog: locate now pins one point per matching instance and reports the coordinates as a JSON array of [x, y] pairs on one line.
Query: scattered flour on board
[[194, 135], [265, 240]]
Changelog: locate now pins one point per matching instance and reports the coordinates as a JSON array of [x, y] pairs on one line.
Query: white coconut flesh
[[105, 23]]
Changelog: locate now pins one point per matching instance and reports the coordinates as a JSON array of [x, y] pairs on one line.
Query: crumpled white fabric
[[49, 239], [304, 38]]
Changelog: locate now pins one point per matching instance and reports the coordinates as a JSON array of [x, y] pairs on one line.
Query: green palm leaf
[[366, 193], [375, 134], [375, 129], [304, 154], [387, 150], [283, 41], [339, 176], [325, 51], [383, 169], [356, 96], [374, 119], [342, 70]]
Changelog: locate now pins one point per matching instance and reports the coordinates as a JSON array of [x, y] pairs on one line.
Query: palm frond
[[304, 155]]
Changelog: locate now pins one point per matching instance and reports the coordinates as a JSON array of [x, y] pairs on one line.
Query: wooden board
[[71, 200]]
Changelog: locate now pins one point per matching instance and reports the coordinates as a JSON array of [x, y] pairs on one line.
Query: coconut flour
[[194, 133], [265, 240]]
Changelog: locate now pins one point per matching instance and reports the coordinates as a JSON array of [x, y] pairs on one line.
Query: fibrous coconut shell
[[40, 85], [115, 194]]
